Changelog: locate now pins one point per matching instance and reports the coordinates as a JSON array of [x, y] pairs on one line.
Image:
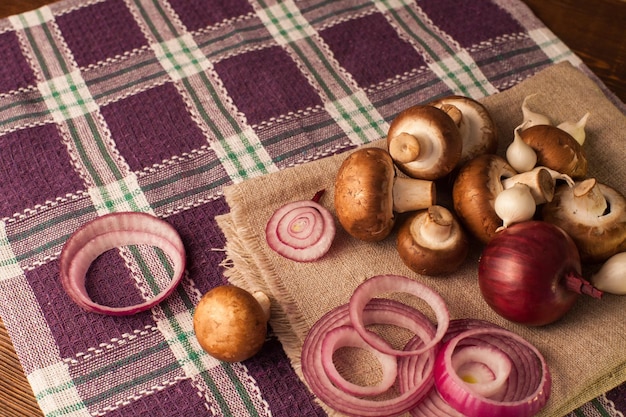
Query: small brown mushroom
[[474, 192], [424, 142], [432, 242], [368, 194], [477, 128], [594, 215], [557, 150], [230, 323]]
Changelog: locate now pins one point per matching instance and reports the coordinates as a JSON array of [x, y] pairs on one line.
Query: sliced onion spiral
[[302, 231], [520, 391], [379, 311], [395, 283], [470, 368]]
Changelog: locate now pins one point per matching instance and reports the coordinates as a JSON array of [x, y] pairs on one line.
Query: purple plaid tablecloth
[[155, 106]]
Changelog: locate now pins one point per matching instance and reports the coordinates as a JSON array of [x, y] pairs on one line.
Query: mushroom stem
[[556, 175], [539, 180], [453, 111], [588, 198], [264, 302], [411, 194], [437, 225], [404, 147]]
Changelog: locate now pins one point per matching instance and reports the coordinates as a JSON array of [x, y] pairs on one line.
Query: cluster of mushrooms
[[542, 176]]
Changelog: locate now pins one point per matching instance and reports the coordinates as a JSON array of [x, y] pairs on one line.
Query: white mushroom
[[424, 142], [477, 128], [593, 214]]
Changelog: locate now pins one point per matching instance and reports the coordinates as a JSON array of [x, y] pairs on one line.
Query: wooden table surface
[[593, 29]]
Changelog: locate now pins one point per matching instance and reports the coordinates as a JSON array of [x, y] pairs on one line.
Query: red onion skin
[[523, 270]]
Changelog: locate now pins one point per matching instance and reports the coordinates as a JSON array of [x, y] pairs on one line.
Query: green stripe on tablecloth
[[179, 60], [21, 103], [260, 167], [146, 271], [218, 104], [156, 33], [45, 246], [301, 28], [182, 59], [193, 357], [453, 54], [169, 198], [82, 153], [122, 362], [333, 13], [39, 55], [40, 244], [228, 369], [60, 388], [122, 195], [235, 33], [132, 70], [121, 87], [9, 266]]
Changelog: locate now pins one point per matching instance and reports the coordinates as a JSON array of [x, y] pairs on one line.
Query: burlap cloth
[[586, 350]]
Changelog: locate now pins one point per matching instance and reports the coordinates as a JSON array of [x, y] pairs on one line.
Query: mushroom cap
[[478, 130], [427, 254], [439, 137], [557, 150], [364, 194], [230, 324], [474, 193], [597, 237]]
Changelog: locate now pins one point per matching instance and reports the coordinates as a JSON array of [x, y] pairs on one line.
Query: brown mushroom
[[432, 242], [474, 192], [424, 142], [230, 323], [557, 150], [594, 215], [368, 194], [477, 128]]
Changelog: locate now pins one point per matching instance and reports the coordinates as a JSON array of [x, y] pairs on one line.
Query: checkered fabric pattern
[[155, 106]]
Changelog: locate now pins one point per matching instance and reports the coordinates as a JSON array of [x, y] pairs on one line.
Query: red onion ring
[[346, 336], [525, 391], [395, 283], [433, 405], [108, 232], [380, 311], [302, 231]]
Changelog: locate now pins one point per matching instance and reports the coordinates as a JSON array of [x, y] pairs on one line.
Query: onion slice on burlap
[[377, 311], [302, 231], [520, 383], [111, 231], [346, 336], [380, 284]]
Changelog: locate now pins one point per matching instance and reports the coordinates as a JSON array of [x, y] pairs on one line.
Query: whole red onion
[[530, 273]]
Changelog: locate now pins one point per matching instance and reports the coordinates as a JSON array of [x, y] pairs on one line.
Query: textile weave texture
[[156, 106]]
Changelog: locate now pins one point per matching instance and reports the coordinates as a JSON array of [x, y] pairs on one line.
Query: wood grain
[[16, 395], [594, 30]]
